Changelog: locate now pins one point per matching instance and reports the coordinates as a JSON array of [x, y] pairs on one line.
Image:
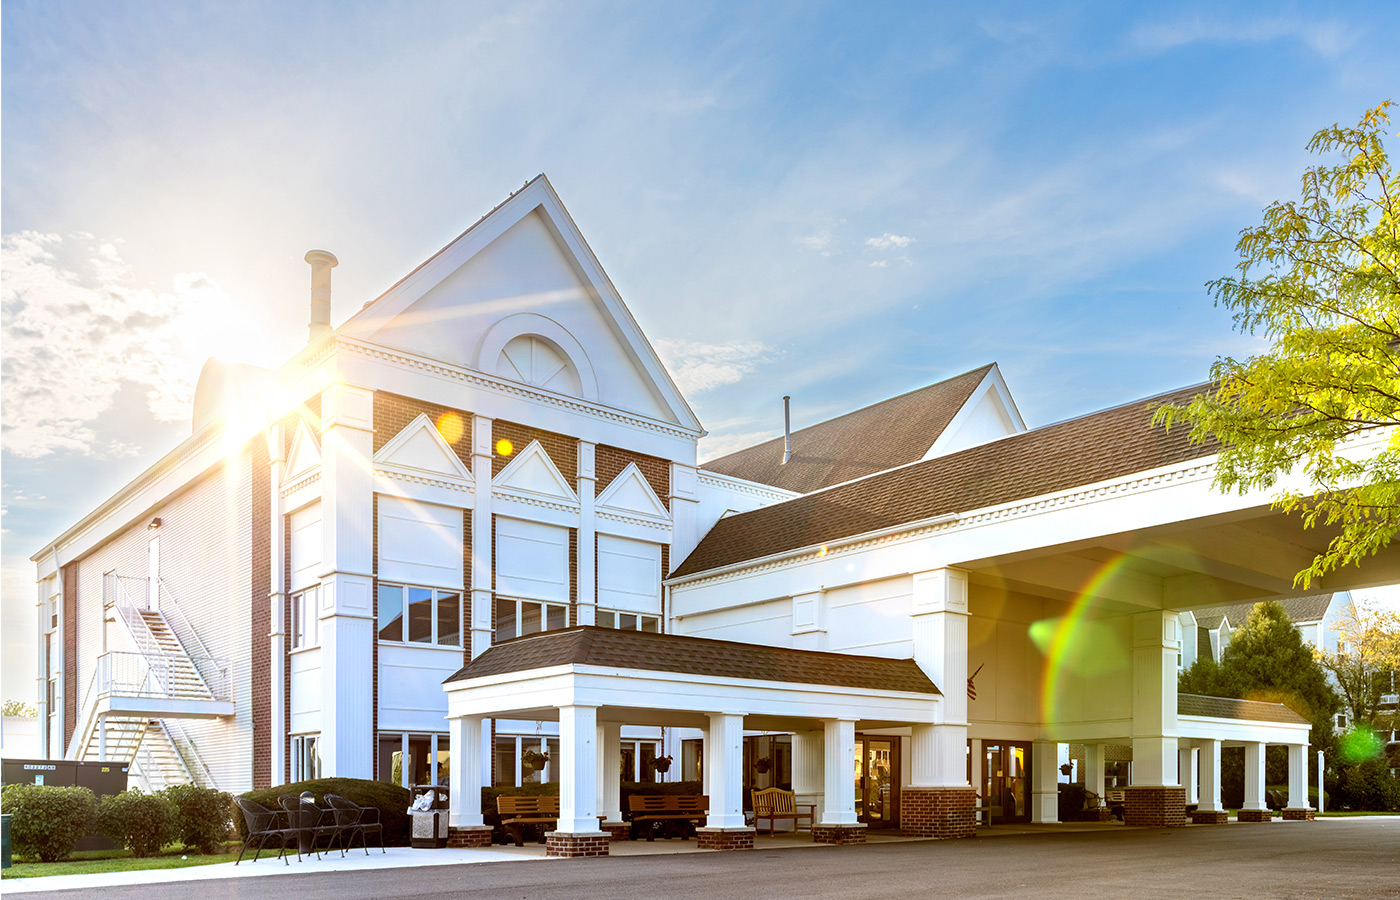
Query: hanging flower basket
[[534, 760], [661, 764], [763, 765]]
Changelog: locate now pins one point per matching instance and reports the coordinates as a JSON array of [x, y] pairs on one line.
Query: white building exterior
[[486, 463]]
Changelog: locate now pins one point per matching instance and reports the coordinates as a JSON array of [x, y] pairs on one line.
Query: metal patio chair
[[263, 825]]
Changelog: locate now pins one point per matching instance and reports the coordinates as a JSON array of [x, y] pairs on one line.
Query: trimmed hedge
[[391, 800], [203, 817], [48, 820], [142, 823]]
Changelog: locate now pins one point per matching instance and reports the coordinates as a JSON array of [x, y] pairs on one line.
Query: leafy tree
[[1320, 279], [1366, 664], [19, 708]]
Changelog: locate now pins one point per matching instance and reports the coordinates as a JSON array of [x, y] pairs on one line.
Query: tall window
[[420, 615], [306, 757], [517, 618], [306, 618]]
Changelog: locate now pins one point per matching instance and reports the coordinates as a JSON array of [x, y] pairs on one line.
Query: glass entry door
[[1006, 780], [877, 781]]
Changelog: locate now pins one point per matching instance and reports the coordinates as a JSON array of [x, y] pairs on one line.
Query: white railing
[[189, 755], [187, 634], [123, 674], [87, 718], [116, 594]]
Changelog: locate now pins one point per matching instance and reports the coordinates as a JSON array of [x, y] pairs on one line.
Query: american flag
[[972, 688]]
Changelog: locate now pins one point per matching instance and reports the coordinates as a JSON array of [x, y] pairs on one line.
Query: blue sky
[[836, 202]]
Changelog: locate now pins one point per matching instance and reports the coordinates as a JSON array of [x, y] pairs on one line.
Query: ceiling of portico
[[1232, 558]]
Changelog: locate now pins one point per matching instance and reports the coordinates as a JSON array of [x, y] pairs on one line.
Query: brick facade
[[558, 843], [1254, 815], [1150, 805], [620, 831], [471, 836], [724, 838], [393, 413], [1295, 814], [260, 588], [838, 834], [1209, 817], [941, 813]]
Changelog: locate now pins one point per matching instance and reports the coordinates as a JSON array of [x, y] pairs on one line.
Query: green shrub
[[142, 823], [1366, 786], [48, 820], [391, 800], [203, 816]]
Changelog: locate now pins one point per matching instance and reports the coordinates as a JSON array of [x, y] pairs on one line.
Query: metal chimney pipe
[[787, 429], [322, 261]]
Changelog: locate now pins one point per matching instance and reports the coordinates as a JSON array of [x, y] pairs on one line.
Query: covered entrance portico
[[593, 680]]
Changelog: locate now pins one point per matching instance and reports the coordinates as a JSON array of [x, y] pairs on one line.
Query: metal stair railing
[[189, 638], [87, 716], [189, 756], [115, 594]]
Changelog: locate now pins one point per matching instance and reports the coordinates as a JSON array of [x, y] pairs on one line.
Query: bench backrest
[[773, 800], [668, 803], [527, 807], [1116, 796]]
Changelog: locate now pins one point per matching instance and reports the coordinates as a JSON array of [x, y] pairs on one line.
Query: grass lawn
[[1329, 814], [85, 862]]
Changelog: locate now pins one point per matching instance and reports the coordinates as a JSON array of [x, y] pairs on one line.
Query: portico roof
[[610, 648], [1226, 708]]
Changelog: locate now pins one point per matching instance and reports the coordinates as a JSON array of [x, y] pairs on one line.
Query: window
[[306, 619], [420, 615], [306, 757], [625, 621], [517, 618], [512, 769]]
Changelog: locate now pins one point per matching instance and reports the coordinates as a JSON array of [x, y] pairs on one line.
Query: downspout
[[787, 429]]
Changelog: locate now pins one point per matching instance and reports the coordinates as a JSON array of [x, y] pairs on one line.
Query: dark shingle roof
[[1225, 708], [891, 433], [1310, 608], [593, 646], [1093, 448]]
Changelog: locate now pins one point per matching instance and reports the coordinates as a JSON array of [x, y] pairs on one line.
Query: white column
[[1154, 698], [940, 649], [1253, 776], [277, 620], [464, 776], [1186, 770], [587, 609], [102, 737], [610, 771], [808, 778], [1209, 797], [1045, 785], [1093, 771], [724, 761], [1298, 776], [482, 624], [578, 792], [839, 736], [685, 529], [1321, 793], [347, 610]]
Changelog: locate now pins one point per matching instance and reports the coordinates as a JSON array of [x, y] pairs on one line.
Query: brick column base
[[1102, 814], [620, 831], [1209, 817], [1296, 814], [839, 834], [581, 843], [724, 838], [1154, 806], [940, 813], [1255, 815], [469, 836]]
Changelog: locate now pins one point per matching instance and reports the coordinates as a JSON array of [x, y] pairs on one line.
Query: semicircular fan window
[[531, 359]]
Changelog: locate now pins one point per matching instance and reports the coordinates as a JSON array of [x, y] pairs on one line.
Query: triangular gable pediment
[[988, 414], [526, 258], [420, 450], [305, 454], [631, 495], [533, 473]]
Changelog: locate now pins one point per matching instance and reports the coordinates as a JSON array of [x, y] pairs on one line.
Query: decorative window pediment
[[631, 496], [305, 454], [533, 475], [420, 452]]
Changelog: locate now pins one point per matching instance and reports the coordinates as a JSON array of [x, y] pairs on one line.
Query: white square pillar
[[578, 744], [1093, 771], [940, 607], [808, 770], [839, 736], [1186, 770], [464, 776], [1298, 776], [1209, 796], [610, 771], [586, 611], [1253, 776], [1154, 698], [724, 763], [1045, 784], [483, 627]]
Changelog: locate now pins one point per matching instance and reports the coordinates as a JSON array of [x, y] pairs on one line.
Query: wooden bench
[[990, 811], [1115, 801], [775, 803], [682, 809], [517, 812]]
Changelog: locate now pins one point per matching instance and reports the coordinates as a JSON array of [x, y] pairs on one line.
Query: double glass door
[[877, 781], [1006, 780]]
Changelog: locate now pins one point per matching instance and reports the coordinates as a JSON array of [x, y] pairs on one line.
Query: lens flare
[[504, 447], [1360, 744], [449, 425]]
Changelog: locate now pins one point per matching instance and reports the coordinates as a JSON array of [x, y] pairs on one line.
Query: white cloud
[[879, 264], [821, 242], [1324, 38], [887, 240], [77, 329], [699, 367]]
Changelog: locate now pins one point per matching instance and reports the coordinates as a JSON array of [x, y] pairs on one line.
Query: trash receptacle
[[429, 815], [5, 842]]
